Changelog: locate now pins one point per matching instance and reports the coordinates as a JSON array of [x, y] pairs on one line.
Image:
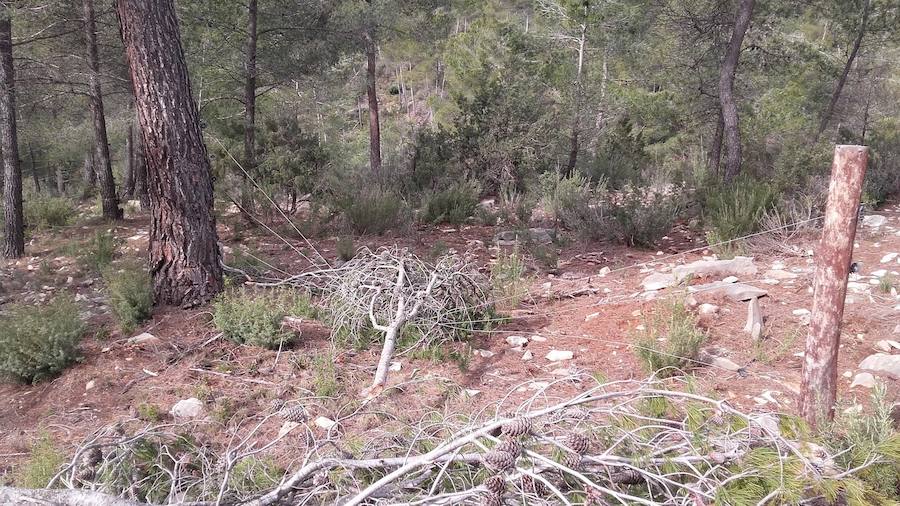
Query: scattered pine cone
[[578, 443], [532, 486], [293, 414], [277, 404], [517, 427], [495, 484], [594, 497], [509, 446], [499, 462], [572, 460], [493, 500]]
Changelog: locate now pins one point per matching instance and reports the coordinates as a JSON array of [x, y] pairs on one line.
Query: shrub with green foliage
[[643, 215], [454, 205], [671, 340], [255, 475], [577, 205], [508, 278], [44, 211], [42, 465], [252, 317], [101, 251], [374, 212], [735, 210], [37, 342], [130, 295]]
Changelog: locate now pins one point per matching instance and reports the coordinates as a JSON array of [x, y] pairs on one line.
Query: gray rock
[[542, 236], [559, 355], [144, 338], [754, 319], [874, 220], [738, 292], [737, 266], [779, 274], [658, 281], [882, 365], [188, 409], [724, 363], [517, 341], [863, 379], [708, 309]]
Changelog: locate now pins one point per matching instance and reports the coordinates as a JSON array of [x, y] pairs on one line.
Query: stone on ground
[[737, 266], [559, 355], [882, 365], [188, 409]]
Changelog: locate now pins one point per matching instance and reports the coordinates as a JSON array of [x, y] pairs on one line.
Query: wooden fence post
[[833, 257]]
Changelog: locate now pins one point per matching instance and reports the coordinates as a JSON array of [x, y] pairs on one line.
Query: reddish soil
[[239, 382]]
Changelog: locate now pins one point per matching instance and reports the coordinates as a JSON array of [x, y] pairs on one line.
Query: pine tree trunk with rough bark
[[108, 195], [374, 121], [128, 176], [730, 119], [185, 261], [14, 222]]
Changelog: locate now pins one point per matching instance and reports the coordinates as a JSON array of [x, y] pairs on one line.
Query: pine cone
[[499, 462], [594, 497], [492, 500], [572, 460], [277, 404], [532, 486], [517, 427], [510, 446], [578, 443], [293, 414], [495, 484]]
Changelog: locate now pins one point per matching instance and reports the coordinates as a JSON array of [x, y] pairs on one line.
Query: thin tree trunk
[[732, 129], [185, 261], [14, 232], [374, 122], [60, 180], [34, 172], [715, 148], [128, 177], [250, 107], [88, 174], [576, 113], [111, 208], [839, 87], [140, 170]]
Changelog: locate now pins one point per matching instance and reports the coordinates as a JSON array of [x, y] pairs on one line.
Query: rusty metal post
[[833, 257]]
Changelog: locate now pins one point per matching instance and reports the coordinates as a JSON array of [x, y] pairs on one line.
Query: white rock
[[538, 385], [527, 356], [484, 353], [658, 281], [471, 392], [708, 309], [730, 279], [874, 220], [538, 339], [858, 287], [517, 341], [286, 428], [591, 316], [559, 355], [880, 273], [395, 366], [325, 423], [90, 385], [863, 379], [737, 266], [882, 365], [779, 274], [188, 409], [144, 338], [848, 374], [604, 271], [724, 363], [800, 312]]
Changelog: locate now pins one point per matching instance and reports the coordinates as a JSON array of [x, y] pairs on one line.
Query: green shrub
[[734, 211], [508, 278], [682, 340], [254, 475], [101, 251], [130, 295], [149, 412], [251, 317], [37, 342], [577, 205], [515, 207], [44, 211], [454, 205], [42, 465], [345, 248], [374, 212], [643, 216], [325, 381]]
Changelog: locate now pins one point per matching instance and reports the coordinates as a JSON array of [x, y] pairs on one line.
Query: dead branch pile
[[624, 442]]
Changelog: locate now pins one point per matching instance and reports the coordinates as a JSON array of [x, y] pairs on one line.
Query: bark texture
[[833, 256], [103, 165], [715, 148], [731, 124], [14, 231], [576, 112], [842, 80], [128, 176], [250, 106], [374, 121], [185, 261]]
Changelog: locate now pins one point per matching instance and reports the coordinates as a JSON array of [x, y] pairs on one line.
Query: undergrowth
[[671, 340]]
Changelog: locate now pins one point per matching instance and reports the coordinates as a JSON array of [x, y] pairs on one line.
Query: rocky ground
[[584, 317]]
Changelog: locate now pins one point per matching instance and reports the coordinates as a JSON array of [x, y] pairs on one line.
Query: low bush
[[130, 295], [577, 205], [42, 465], [345, 248], [43, 211], [671, 341], [734, 211], [514, 207], [101, 252], [453, 205], [644, 216], [255, 317], [508, 278], [255, 475], [374, 212], [37, 342]]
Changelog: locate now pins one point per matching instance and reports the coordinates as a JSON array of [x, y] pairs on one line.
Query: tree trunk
[[576, 113], [839, 87], [14, 236], [250, 107], [60, 180], [34, 172], [732, 129], [715, 148], [374, 123], [185, 261], [88, 174], [128, 177]]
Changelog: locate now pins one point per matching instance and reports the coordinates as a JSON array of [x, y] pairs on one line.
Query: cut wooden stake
[[819, 387]]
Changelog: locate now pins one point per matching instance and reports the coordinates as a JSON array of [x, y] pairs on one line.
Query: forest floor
[[597, 317]]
